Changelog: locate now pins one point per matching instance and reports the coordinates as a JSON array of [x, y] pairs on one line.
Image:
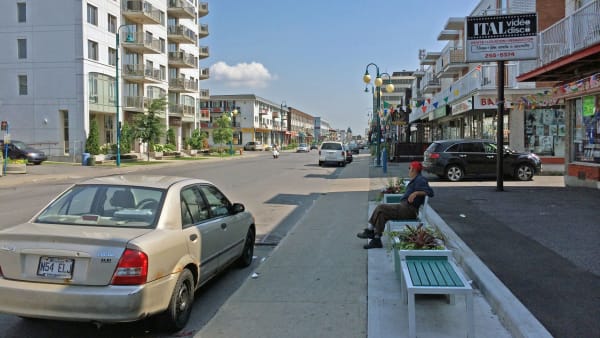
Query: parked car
[[353, 148], [314, 146], [455, 159], [20, 150], [302, 148], [332, 152], [349, 156], [254, 145], [122, 248]]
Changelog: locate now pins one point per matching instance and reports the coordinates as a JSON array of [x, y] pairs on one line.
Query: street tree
[[148, 126], [223, 133]]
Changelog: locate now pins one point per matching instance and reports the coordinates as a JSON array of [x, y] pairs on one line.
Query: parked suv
[[455, 159], [332, 152], [254, 146], [20, 150]]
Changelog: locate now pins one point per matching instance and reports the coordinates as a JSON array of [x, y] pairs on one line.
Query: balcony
[[136, 103], [204, 94], [202, 9], [451, 63], [181, 110], [181, 9], [202, 30], [181, 34], [430, 58], [183, 86], [141, 74], [203, 52], [204, 74], [430, 84], [181, 59], [570, 48], [141, 12], [140, 42]]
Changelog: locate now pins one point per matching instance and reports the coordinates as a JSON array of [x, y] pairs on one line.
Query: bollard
[[384, 160], [241, 151]]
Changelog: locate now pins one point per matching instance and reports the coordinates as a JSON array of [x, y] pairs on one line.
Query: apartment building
[[569, 50], [455, 99], [66, 63]]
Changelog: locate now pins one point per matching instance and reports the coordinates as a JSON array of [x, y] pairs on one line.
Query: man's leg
[[388, 212]]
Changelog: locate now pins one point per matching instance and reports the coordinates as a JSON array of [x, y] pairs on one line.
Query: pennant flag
[[456, 92], [478, 68], [446, 99], [594, 80], [424, 109], [435, 104], [524, 100], [428, 101]]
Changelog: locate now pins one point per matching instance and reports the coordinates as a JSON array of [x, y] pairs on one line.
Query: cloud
[[244, 74]]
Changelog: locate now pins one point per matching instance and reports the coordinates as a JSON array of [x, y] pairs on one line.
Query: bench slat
[[432, 271]]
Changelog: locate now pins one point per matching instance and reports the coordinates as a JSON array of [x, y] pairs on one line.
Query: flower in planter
[[418, 237]]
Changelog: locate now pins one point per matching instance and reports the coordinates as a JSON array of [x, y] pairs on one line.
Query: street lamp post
[[118, 122], [283, 104], [389, 88], [232, 114]]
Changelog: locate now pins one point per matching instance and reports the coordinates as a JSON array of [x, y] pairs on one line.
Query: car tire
[[248, 251], [178, 313], [454, 173], [524, 172]]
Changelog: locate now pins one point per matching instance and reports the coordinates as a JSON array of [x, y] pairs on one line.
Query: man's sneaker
[[374, 243], [366, 234]]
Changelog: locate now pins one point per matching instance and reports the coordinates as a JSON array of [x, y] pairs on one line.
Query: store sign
[[501, 37], [461, 107]]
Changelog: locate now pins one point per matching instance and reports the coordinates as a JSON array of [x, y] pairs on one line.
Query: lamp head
[[378, 82], [389, 88], [367, 77]]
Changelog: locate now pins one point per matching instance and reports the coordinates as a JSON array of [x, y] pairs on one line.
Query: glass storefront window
[[586, 131], [545, 131]]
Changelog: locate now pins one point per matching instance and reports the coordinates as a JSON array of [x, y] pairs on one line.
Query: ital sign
[[501, 37]]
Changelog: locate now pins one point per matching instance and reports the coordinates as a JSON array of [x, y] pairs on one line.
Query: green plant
[[171, 137], [92, 144], [107, 148], [418, 237], [148, 127], [394, 186], [223, 133], [126, 138], [196, 141], [17, 161], [158, 147]]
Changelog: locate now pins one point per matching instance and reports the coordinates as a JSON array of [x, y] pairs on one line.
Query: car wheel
[[248, 251], [454, 173], [320, 163], [180, 307], [524, 172]]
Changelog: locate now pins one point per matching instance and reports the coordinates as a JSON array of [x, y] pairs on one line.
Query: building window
[[586, 133], [112, 23], [22, 84], [112, 56], [22, 48], [92, 50], [162, 45], [92, 15], [163, 72], [21, 12]]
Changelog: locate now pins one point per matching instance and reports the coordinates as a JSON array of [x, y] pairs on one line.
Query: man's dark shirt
[[418, 183]]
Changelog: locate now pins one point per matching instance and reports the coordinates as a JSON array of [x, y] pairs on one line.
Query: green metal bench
[[433, 275], [397, 224]]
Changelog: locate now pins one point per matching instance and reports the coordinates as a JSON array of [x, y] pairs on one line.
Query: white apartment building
[[58, 68]]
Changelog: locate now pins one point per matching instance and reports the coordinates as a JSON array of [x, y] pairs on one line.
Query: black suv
[[455, 159]]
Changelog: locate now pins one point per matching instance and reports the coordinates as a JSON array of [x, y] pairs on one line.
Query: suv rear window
[[331, 146], [434, 148]]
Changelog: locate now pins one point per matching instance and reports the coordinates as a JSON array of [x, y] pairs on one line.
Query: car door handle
[[462, 155], [491, 156], [223, 226], [193, 237]]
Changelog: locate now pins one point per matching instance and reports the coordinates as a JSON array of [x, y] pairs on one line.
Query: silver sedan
[[122, 248]]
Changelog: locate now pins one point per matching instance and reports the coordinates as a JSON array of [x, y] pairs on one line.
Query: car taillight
[[132, 268], [1, 274], [434, 155], [319, 153], [343, 153]]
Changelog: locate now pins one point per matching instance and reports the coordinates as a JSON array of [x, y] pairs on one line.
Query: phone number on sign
[[502, 55]]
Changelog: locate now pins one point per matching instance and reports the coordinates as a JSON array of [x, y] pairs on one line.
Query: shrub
[[92, 145]]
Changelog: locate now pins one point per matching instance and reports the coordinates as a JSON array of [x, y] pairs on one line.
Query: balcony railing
[[142, 12], [451, 62], [141, 73], [142, 43], [136, 103], [182, 9], [181, 34], [571, 34], [181, 110], [181, 59], [183, 85], [204, 94], [202, 30], [202, 9], [204, 74], [203, 52]]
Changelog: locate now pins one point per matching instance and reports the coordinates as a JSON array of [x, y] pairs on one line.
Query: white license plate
[[55, 267]]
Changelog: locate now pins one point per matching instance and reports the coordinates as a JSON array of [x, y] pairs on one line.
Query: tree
[[223, 133], [171, 137], [196, 141], [148, 127], [92, 144], [126, 138]]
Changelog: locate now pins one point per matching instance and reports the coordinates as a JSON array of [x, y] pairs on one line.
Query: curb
[[519, 321]]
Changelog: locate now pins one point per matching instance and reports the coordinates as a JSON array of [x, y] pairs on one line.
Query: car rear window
[[331, 146], [434, 148]]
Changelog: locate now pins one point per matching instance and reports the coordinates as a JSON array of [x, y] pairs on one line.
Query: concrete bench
[[433, 274]]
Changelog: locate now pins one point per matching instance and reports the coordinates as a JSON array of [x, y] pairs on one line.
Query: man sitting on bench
[[408, 208]]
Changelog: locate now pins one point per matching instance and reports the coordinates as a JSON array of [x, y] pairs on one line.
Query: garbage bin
[[85, 157]]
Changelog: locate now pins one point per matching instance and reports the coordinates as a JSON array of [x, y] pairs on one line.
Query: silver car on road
[[122, 248]]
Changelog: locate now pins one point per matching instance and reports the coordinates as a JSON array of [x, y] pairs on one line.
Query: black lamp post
[[389, 88]]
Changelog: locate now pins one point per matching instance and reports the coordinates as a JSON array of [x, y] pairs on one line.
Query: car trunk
[[63, 254]]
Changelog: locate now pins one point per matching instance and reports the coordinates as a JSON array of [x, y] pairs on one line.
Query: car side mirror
[[237, 208]]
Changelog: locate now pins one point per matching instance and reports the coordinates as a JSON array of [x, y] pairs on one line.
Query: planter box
[[16, 168], [400, 255], [391, 198], [157, 155]]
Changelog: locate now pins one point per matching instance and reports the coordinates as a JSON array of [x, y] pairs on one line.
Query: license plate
[[55, 267]]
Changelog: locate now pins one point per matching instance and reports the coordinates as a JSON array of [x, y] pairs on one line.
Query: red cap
[[416, 166]]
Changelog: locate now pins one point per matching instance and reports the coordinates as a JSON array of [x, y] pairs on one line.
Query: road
[[277, 191]]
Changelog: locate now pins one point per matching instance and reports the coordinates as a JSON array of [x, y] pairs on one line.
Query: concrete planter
[[16, 168], [400, 255]]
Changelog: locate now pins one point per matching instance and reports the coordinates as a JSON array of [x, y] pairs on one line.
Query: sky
[[312, 54]]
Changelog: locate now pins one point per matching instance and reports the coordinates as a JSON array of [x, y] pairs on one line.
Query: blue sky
[[312, 54]]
